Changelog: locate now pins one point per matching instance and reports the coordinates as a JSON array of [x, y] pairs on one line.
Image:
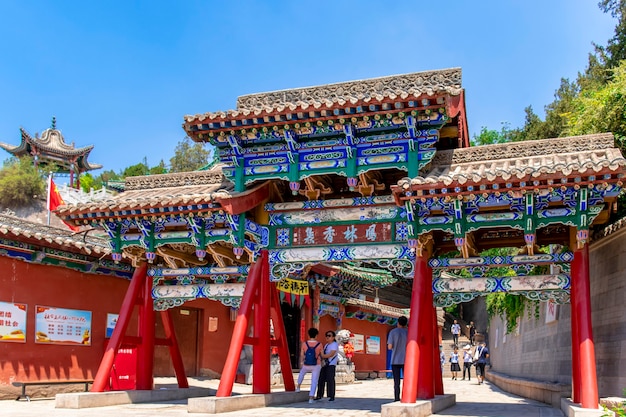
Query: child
[[454, 363], [467, 362]]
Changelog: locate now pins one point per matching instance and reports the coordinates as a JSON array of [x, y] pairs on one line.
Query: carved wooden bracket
[[316, 187], [370, 183]]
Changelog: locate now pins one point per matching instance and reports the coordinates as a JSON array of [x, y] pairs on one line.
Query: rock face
[[36, 212]]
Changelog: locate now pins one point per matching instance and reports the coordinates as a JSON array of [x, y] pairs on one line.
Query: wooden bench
[[86, 382], [383, 373], [373, 374]]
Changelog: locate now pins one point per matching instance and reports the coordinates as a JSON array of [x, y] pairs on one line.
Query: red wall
[[34, 284], [363, 360]]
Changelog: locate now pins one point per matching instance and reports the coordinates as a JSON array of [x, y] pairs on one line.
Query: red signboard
[[341, 234]]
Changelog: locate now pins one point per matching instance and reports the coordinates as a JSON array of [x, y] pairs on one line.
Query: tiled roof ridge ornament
[[515, 150], [445, 81], [18, 226], [562, 156], [53, 138], [176, 179]]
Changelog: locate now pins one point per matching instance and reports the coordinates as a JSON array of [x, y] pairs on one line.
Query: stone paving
[[363, 398]]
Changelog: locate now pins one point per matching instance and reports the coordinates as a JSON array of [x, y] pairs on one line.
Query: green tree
[[20, 182], [601, 109], [615, 51], [557, 113], [188, 156], [491, 136], [87, 182], [103, 179], [533, 125], [135, 170], [159, 169]]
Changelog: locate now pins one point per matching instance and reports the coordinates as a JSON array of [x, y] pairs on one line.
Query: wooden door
[[186, 322]]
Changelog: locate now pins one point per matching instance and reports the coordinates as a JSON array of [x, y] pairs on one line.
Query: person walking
[[467, 362], [456, 331], [454, 363], [442, 357], [472, 332], [396, 342], [482, 354], [310, 362], [329, 363]]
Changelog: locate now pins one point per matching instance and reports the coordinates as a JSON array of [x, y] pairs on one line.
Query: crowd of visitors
[[321, 361]]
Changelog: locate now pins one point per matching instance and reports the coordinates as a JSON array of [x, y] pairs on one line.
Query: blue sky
[[120, 75]]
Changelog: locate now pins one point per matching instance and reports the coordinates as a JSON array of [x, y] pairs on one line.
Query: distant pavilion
[[51, 152]]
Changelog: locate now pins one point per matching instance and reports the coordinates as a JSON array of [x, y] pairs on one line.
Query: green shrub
[[20, 183]]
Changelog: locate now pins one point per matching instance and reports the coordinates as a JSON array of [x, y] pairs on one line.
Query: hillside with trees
[[595, 102]]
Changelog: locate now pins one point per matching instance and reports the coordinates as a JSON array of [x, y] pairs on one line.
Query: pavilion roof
[[527, 161], [396, 87], [143, 193], [50, 236], [52, 144]]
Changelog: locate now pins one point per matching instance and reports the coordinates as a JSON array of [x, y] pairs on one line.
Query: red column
[[101, 381], [418, 372], [582, 304], [145, 350], [225, 388], [426, 380], [261, 380], [575, 347]]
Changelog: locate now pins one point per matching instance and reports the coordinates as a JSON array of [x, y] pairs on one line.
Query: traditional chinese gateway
[[359, 187]]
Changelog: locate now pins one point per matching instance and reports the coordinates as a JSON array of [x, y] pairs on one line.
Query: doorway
[[291, 318]]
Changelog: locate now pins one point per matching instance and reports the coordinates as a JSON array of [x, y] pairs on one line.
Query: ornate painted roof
[[586, 155], [446, 81], [381, 308], [144, 193], [24, 230], [51, 145]]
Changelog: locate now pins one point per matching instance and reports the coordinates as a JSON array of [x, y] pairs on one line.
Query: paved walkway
[[363, 398]]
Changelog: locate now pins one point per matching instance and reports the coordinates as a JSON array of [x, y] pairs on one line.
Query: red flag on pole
[[54, 197], [55, 200]]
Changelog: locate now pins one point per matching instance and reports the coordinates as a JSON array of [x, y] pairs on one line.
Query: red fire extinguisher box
[[124, 371]]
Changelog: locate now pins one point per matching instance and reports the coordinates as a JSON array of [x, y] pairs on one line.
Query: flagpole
[[48, 199]]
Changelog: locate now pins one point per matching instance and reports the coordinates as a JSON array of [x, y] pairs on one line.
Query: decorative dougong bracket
[[424, 244], [529, 238], [582, 236]]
